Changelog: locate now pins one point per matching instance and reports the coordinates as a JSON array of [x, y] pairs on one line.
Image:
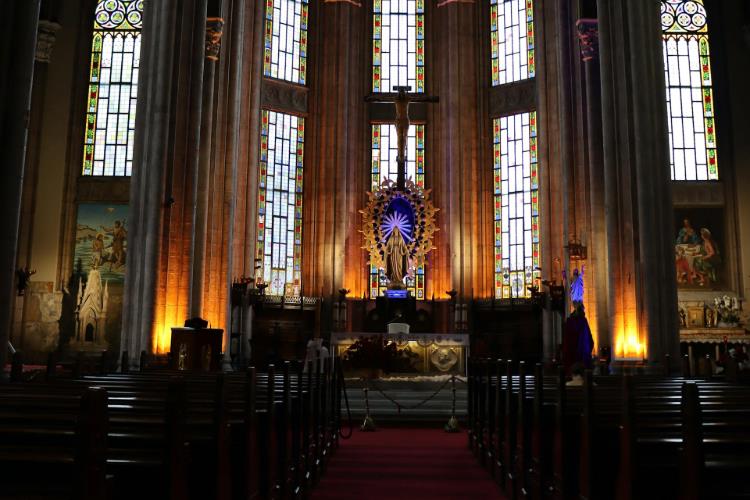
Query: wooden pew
[[66, 446], [294, 417]]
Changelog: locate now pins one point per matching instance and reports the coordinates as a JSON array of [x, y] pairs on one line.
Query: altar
[[433, 353]]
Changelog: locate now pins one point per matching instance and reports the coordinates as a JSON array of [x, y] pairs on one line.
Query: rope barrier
[[400, 406]]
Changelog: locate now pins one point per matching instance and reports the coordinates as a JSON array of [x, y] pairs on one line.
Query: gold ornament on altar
[[398, 228]]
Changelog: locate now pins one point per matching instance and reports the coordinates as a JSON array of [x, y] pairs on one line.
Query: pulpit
[[196, 349]]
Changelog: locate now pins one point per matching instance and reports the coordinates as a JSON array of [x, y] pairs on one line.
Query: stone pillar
[[642, 298], [462, 261], [596, 272], [166, 148], [214, 29], [17, 50], [335, 163]]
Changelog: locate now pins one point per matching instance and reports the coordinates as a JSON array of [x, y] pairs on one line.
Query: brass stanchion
[[452, 425], [369, 424]]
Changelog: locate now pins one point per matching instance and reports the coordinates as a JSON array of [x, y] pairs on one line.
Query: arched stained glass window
[[690, 100], [516, 204], [279, 239], [512, 40], [384, 153], [398, 45], [113, 88], [285, 54]]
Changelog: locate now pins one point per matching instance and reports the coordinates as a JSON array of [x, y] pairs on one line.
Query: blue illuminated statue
[[576, 286]]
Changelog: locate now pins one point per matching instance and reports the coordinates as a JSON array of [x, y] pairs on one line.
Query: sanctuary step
[[405, 401]]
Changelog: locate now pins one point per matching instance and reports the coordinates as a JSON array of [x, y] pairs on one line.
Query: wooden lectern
[[196, 349]]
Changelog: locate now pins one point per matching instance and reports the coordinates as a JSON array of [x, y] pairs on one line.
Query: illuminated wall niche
[[279, 239], [113, 88], [690, 101], [516, 204]]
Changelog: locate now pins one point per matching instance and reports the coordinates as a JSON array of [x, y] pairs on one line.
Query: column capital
[[46, 36], [214, 30], [588, 38]]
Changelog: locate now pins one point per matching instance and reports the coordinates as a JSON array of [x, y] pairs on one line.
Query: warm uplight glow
[[628, 345], [162, 339]]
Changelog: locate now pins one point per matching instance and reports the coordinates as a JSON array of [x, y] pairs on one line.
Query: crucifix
[[401, 98]]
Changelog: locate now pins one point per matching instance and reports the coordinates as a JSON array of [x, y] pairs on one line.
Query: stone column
[[642, 298], [17, 49], [166, 143], [214, 29], [596, 273], [462, 185], [335, 163]]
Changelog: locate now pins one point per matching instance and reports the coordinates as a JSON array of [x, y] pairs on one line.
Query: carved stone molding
[[520, 96], [588, 38], [214, 30], [45, 40], [698, 193], [283, 96]]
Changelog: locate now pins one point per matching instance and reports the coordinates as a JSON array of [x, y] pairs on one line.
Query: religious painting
[[699, 248], [101, 240]]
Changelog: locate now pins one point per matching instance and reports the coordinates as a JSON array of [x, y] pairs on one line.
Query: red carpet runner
[[405, 463]]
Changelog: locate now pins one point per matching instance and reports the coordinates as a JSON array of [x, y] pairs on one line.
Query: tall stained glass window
[[285, 55], [279, 245], [512, 40], [398, 45], [384, 153], [516, 204], [113, 88], [690, 101]]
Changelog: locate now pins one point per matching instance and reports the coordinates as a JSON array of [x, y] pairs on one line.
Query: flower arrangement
[[727, 309]]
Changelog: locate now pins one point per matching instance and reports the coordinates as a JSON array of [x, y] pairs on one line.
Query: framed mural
[[101, 240], [699, 245]]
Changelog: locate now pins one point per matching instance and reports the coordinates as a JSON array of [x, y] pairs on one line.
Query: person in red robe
[[578, 343]]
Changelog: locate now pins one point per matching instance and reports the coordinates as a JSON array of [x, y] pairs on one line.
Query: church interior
[[369, 249]]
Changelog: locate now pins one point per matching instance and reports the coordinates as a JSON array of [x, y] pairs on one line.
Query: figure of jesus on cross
[[401, 98], [396, 249]]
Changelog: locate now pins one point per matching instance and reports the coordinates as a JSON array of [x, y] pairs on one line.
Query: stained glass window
[[384, 166], [398, 45], [512, 40], [279, 246], [113, 88], [516, 173], [385, 151], [690, 101], [285, 55]]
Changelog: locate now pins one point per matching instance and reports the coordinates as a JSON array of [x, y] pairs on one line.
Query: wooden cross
[[401, 98]]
